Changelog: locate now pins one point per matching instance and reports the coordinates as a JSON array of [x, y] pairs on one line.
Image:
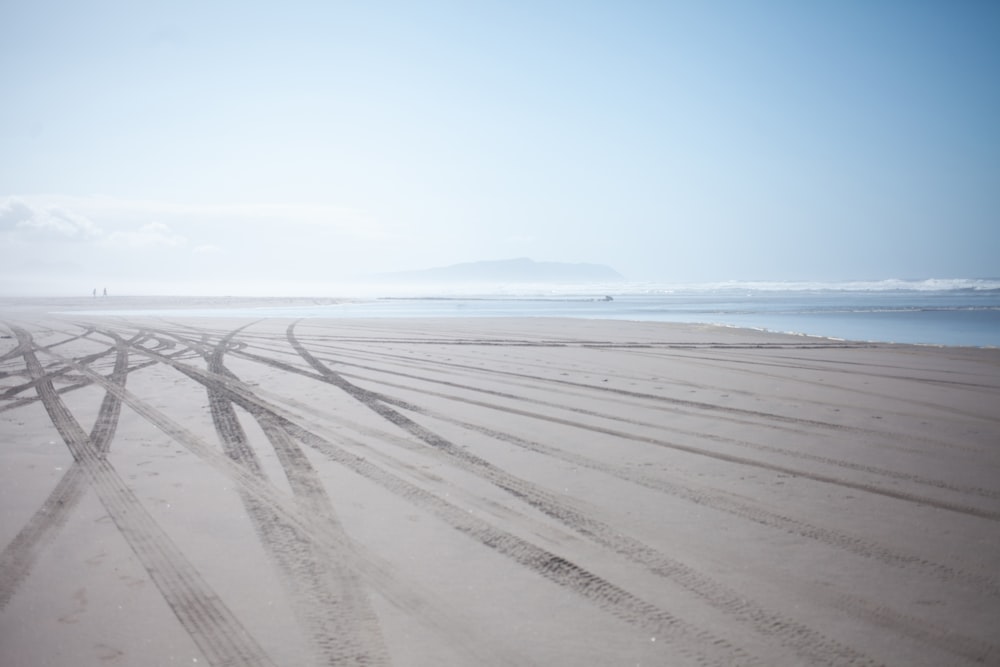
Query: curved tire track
[[693, 642], [805, 641], [961, 508], [422, 605], [327, 598], [208, 621], [18, 558], [805, 456]]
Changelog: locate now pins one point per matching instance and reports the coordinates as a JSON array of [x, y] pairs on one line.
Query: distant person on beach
[[95, 292], [105, 291]]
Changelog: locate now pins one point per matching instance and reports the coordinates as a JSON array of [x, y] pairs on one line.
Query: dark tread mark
[[665, 404], [327, 598], [337, 607], [902, 624], [693, 642], [30, 384], [729, 413], [208, 621], [719, 502], [804, 640], [875, 470], [418, 602], [729, 505], [774, 467], [19, 557], [687, 639], [27, 400]]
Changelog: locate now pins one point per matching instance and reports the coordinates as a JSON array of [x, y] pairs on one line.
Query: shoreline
[[860, 327]]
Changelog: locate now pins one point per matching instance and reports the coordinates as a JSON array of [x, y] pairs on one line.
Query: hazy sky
[[212, 142]]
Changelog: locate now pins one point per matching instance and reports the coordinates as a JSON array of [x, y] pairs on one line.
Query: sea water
[[932, 312]]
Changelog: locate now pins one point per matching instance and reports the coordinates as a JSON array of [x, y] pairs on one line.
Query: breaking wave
[[887, 285]]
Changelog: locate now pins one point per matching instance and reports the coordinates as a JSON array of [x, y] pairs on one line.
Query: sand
[[479, 492]]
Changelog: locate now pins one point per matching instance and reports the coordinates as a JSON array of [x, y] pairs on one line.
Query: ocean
[[963, 312]]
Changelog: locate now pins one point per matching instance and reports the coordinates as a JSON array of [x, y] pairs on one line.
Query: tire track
[[327, 599], [28, 400], [926, 632], [734, 415], [18, 350], [793, 526], [689, 641], [966, 647], [961, 508], [824, 366], [847, 465], [419, 603], [704, 497], [18, 558], [805, 641], [744, 444], [343, 619], [886, 619], [50, 375], [603, 593], [729, 505], [557, 569], [209, 622], [715, 362]]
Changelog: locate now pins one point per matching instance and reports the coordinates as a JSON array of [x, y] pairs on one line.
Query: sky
[[251, 147]]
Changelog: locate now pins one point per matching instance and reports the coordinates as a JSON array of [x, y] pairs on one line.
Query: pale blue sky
[[142, 142]]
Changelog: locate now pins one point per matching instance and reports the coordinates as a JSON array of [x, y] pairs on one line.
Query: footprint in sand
[[80, 597], [108, 653], [97, 559]]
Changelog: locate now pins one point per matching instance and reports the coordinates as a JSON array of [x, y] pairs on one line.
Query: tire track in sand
[[696, 643], [688, 640], [742, 444], [704, 497], [209, 622], [920, 499], [723, 503], [18, 558], [27, 400], [422, 605], [929, 634], [327, 598], [805, 641]]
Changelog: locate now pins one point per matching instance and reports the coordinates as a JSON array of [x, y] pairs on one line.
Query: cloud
[[152, 234], [142, 238], [13, 212], [19, 216], [340, 220], [208, 249], [118, 214]]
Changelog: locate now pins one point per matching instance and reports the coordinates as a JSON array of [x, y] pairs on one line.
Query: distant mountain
[[521, 270]]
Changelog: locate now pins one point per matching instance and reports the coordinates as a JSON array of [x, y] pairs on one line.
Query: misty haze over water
[[936, 312]]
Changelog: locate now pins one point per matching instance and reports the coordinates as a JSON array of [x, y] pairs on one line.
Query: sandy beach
[[491, 492]]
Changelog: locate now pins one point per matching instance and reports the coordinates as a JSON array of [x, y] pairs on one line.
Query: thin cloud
[[149, 235], [24, 219], [147, 240], [338, 220], [208, 249]]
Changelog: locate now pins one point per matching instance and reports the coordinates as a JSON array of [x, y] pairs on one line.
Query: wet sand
[[508, 491]]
